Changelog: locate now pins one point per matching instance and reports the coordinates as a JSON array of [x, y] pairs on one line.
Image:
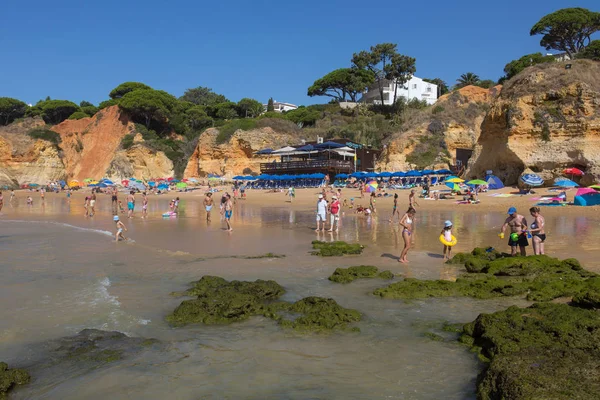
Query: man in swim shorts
[[228, 208], [130, 204], [114, 200], [208, 205], [518, 228]]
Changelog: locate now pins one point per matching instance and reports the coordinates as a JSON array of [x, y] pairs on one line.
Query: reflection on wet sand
[[64, 273]]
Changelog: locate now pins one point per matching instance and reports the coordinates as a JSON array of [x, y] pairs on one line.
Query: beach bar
[[336, 156]]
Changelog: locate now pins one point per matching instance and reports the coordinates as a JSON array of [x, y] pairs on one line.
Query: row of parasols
[[398, 174], [132, 183], [266, 177]]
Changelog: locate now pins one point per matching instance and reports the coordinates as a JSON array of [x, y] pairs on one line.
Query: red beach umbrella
[[573, 172], [124, 182]]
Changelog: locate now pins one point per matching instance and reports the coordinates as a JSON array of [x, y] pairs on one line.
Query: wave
[[79, 228]]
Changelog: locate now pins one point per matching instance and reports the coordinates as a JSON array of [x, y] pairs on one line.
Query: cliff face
[[140, 162], [546, 119], [90, 144], [429, 138], [25, 160], [235, 156]]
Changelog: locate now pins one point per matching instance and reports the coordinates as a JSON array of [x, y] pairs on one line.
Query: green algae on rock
[[347, 275], [546, 351], [590, 296], [338, 248], [221, 302], [491, 274], [317, 314], [10, 377]]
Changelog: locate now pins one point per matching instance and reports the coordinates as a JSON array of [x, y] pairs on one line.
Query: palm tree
[[467, 79]]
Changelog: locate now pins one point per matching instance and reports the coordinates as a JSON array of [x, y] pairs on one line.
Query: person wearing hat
[[120, 228], [518, 232], [321, 213], [334, 210], [447, 232]]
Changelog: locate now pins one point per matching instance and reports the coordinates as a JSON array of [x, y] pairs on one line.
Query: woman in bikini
[[537, 231], [407, 222]]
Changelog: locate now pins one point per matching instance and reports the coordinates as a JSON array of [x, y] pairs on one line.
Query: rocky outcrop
[[89, 145], [236, 156], [546, 119], [25, 160], [141, 162], [429, 138]]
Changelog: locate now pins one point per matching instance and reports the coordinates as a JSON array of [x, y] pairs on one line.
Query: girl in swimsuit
[[407, 222], [395, 209], [537, 231]]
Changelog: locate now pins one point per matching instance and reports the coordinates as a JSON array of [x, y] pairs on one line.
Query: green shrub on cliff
[[44, 134], [227, 130], [11, 109], [78, 115]]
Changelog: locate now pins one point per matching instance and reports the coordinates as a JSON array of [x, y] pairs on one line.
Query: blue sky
[[80, 50]]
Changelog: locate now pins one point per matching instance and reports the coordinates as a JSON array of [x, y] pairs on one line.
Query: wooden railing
[[306, 165]]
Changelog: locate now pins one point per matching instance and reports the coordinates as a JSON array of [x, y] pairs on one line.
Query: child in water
[[121, 207], [447, 232], [120, 228]]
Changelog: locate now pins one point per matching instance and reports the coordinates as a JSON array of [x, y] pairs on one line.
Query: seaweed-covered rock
[[220, 302], [339, 248], [347, 275], [540, 278], [542, 374], [317, 314], [478, 260], [10, 377], [590, 296], [546, 351]]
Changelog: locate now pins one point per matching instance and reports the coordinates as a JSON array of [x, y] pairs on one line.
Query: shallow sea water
[[61, 273]]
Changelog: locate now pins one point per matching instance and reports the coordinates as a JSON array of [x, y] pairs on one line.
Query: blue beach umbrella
[[413, 173], [428, 172], [565, 183], [443, 172], [532, 180], [399, 174], [385, 174]]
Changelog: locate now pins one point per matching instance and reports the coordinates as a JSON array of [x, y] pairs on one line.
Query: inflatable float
[[169, 214], [448, 243]]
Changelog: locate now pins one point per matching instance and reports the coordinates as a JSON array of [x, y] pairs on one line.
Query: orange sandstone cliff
[[546, 119], [429, 138]]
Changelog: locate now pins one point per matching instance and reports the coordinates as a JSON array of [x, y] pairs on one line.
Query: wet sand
[[62, 273]]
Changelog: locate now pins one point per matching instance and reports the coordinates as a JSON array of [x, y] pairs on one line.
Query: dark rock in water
[[317, 314], [10, 377], [221, 302], [491, 274], [331, 249], [347, 275], [546, 351], [96, 346]]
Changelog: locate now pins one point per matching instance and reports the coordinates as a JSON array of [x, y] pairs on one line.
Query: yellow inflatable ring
[[450, 243]]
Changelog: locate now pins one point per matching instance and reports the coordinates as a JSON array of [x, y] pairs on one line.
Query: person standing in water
[[1, 201], [395, 207], [86, 204], [130, 204], [208, 205], [12, 195], [93, 203], [407, 222], [228, 208], [334, 210], [447, 233], [114, 199], [412, 199], [120, 228], [144, 205], [372, 203], [321, 213], [291, 194], [518, 226], [537, 231], [42, 194]]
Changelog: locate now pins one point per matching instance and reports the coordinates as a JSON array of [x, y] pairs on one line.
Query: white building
[[281, 107], [415, 88]]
